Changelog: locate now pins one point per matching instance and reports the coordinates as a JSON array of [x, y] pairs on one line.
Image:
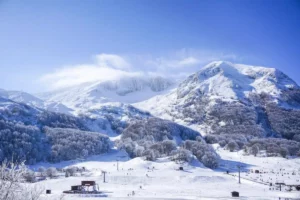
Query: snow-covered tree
[[182, 155], [51, 172], [30, 176], [71, 171], [150, 154], [11, 188], [254, 149], [210, 160], [283, 152], [232, 145], [42, 171], [84, 153]]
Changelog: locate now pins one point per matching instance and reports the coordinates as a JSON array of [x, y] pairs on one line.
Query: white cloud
[[188, 61], [112, 61], [112, 66], [76, 75]]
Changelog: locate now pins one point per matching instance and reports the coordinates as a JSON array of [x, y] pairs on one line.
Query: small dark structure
[[181, 168], [84, 188], [256, 171], [48, 191], [298, 187], [280, 184], [88, 183], [235, 194], [76, 187]]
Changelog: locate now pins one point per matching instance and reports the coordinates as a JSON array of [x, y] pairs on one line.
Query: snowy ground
[[163, 180]]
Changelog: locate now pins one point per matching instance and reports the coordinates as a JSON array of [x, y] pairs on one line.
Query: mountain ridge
[[223, 95], [125, 90]]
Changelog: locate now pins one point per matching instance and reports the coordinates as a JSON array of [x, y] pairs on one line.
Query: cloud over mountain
[[104, 67]]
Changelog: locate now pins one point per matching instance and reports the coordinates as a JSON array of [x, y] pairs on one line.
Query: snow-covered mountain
[[221, 97], [30, 100], [235, 81], [124, 90], [22, 97], [230, 98], [237, 106]]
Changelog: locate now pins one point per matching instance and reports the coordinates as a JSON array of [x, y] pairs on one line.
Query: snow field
[[163, 180]]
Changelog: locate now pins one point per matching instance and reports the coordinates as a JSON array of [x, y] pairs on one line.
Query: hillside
[[124, 90], [35, 135], [233, 102], [30, 100]]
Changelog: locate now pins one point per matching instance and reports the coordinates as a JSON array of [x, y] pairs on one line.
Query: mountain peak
[[234, 81]]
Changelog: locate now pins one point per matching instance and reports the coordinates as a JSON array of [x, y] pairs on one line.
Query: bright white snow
[[163, 180]]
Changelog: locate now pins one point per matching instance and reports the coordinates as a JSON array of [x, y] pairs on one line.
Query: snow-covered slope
[[125, 90], [162, 179], [22, 97], [28, 99], [223, 93]]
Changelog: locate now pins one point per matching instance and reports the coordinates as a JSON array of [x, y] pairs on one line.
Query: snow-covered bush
[[210, 160], [182, 155], [240, 140], [274, 146], [283, 152], [51, 172], [202, 151], [164, 148], [71, 171], [42, 171], [30, 176], [150, 154], [254, 149], [232, 145]]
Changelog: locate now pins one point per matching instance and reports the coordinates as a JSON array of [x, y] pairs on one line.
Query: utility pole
[[104, 172], [239, 167]]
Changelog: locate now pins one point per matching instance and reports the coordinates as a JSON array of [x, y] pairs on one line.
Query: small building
[[88, 183], [235, 194], [76, 187], [256, 171], [181, 168], [84, 188]]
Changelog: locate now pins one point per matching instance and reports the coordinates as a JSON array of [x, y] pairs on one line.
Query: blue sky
[[42, 41]]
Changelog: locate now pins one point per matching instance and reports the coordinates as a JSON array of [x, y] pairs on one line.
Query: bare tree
[[11, 186]]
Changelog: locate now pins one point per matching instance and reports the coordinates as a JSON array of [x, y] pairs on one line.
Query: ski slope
[[163, 180]]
